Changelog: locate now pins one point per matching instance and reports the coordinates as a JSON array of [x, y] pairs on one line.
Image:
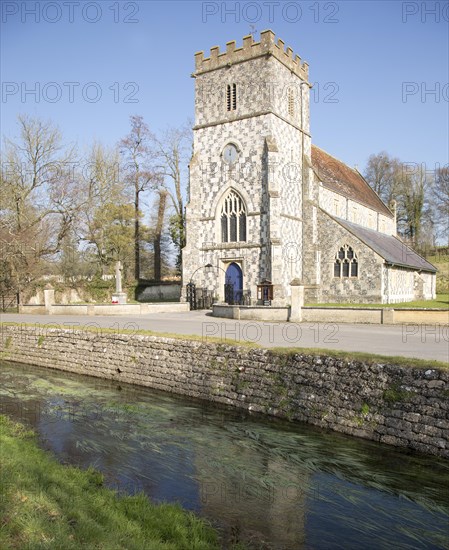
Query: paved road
[[425, 342]]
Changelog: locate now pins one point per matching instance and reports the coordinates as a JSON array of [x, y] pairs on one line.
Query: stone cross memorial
[[118, 297]]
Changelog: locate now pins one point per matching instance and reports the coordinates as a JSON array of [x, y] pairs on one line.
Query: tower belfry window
[[231, 97], [291, 102]]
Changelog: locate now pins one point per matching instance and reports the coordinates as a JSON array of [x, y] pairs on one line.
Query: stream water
[[267, 482]]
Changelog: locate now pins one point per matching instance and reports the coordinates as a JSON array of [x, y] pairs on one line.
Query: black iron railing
[[9, 301], [199, 298], [237, 297]]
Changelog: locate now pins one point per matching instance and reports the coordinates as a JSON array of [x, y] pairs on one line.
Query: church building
[[267, 208]]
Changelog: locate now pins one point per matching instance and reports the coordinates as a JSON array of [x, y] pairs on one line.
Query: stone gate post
[[297, 301]]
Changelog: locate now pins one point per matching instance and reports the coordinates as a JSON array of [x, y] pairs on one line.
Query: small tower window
[[291, 102], [233, 219], [346, 264], [231, 97]]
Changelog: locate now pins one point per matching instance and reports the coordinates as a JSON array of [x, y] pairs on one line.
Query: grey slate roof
[[392, 249]]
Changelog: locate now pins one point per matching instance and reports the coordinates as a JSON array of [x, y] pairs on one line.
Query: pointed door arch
[[234, 278]]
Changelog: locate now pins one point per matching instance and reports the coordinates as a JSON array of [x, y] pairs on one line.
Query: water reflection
[[267, 482]]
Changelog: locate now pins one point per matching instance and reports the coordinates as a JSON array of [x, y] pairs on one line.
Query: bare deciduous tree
[[408, 185], [440, 198], [383, 172], [39, 198], [101, 184], [172, 152], [139, 173], [157, 238], [413, 204]]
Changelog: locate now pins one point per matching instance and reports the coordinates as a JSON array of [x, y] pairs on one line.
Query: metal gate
[[9, 301], [204, 298], [229, 293], [236, 297], [244, 297], [199, 298], [191, 294]]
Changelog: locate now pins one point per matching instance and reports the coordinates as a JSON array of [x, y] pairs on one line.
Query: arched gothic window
[[346, 264], [233, 218]]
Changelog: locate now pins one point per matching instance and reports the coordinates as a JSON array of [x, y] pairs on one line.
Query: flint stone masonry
[[271, 140], [290, 191], [250, 50], [397, 405]]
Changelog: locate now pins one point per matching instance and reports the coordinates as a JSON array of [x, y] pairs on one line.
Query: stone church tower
[[267, 208], [251, 143]]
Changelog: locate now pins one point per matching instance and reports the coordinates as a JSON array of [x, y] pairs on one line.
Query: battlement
[[250, 50]]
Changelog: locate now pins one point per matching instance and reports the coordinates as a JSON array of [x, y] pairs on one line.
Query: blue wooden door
[[234, 276]]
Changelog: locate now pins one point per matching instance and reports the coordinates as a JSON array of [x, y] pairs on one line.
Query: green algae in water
[[265, 479]]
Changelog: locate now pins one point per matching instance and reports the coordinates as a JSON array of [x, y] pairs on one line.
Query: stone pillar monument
[[297, 301], [49, 297], [118, 297]]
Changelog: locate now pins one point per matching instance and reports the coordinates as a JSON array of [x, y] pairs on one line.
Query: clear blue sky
[[366, 50]]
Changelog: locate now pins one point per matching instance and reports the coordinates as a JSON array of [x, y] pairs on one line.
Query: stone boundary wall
[[397, 405], [158, 292], [425, 316], [317, 314], [251, 313], [386, 316], [106, 309]]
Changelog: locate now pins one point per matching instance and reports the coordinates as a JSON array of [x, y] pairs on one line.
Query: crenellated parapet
[[250, 50]]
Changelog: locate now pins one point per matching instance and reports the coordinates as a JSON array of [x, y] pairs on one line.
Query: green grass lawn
[[441, 302], [45, 505]]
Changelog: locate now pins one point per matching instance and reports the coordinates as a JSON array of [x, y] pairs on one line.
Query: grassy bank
[[441, 262], [440, 302], [45, 505]]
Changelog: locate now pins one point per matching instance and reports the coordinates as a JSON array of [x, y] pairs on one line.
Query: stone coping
[[250, 307]]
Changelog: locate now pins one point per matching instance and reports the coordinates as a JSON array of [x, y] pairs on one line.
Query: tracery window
[[346, 263], [233, 218]]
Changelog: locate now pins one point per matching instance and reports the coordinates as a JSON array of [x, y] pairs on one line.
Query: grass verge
[[349, 356], [441, 262], [440, 302], [45, 505]]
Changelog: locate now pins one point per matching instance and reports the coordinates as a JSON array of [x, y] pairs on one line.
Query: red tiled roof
[[342, 179]]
